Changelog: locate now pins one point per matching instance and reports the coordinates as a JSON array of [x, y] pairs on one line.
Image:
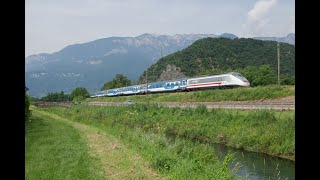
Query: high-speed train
[[232, 79]]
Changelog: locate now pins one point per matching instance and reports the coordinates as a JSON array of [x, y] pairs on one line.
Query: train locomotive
[[228, 80]]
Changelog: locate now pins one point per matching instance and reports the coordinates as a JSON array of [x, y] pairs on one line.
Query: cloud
[[260, 8], [257, 17]]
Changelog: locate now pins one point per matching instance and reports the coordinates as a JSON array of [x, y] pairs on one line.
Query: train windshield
[[238, 75]]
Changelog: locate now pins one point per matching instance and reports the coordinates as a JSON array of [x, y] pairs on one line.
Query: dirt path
[[118, 162]]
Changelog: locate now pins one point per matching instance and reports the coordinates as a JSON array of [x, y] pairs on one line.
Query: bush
[[27, 111]]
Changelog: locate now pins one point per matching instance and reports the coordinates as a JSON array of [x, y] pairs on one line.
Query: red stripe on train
[[203, 84]]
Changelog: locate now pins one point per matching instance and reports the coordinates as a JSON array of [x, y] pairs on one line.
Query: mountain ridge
[[93, 63]]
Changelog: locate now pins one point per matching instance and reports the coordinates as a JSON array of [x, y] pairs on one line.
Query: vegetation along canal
[[252, 165], [257, 165]]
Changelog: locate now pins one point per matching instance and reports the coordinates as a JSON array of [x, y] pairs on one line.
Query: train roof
[[213, 75], [180, 79]]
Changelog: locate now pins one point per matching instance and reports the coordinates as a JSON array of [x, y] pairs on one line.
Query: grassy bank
[[213, 95], [55, 150], [178, 159], [261, 130]]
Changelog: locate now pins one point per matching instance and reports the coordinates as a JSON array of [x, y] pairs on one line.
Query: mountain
[[228, 35], [92, 64], [290, 38], [209, 55]]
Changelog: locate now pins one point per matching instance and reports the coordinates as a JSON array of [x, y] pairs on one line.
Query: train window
[[172, 84], [203, 80], [177, 83]]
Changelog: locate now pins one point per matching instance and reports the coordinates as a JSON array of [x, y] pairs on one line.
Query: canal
[[257, 165]]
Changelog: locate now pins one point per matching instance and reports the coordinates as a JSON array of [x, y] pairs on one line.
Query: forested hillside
[[217, 55]]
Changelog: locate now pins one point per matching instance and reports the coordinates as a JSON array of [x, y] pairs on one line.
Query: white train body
[[232, 79], [223, 80]]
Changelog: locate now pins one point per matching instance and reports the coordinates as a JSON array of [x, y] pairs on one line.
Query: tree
[[27, 111], [261, 76], [264, 76], [118, 81], [288, 80], [56, 97], [79, 94]]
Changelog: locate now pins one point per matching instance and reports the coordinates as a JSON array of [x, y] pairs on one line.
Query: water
[[257, 165]]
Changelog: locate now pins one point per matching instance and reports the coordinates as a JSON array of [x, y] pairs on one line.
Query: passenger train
[[232, 79]]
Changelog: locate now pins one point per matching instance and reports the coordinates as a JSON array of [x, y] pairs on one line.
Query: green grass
[[266, 131], [55, 150], [176, 158], [213, 95]]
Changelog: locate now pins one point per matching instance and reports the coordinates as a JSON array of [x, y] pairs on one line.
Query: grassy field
[[256, 130], [55, 150], [213, 95], [178, 159]]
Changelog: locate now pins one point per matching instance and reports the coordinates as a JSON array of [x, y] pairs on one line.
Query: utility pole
[[147, 80], [278, 49]]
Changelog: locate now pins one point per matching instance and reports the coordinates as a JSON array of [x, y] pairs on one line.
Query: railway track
[[279, 105], [229, 105], [48, 104]]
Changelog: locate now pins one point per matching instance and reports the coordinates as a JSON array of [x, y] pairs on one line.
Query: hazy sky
[[50, 25]]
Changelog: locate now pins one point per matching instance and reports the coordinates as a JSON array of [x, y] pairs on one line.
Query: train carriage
[[165, 86], [232, 79]]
